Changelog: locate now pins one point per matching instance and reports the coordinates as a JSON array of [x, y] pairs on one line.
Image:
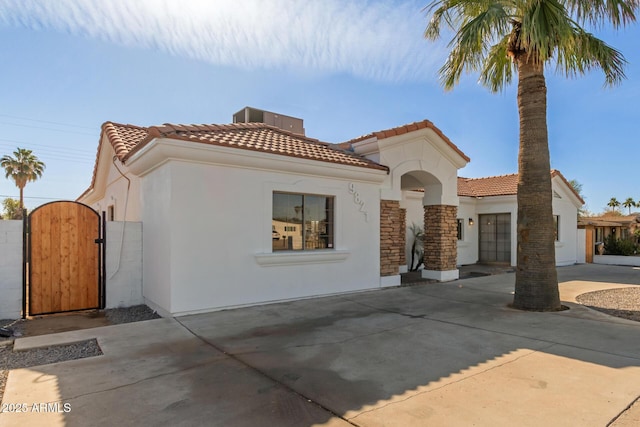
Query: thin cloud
[[369, 39]]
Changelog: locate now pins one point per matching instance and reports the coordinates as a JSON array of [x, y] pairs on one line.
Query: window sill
[[303, 257]]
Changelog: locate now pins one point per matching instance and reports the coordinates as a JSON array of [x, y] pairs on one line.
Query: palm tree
[[22, 168], [629, 203], [499, 38], [614, 204]]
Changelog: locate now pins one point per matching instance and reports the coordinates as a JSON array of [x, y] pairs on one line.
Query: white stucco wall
[[617, 260], [123, 264], [470, 207], [156, 237], [207, 238], [468, 246], [10, 269], [111, 188], [417, 155], [566, 246]]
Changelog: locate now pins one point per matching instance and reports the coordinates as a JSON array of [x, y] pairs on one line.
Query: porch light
[[470, 221]]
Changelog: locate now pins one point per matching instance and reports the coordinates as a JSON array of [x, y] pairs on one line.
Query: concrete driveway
[[438, 355]]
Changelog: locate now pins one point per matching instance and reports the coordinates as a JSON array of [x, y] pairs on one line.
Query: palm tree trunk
[[21, 198], [536, 286]]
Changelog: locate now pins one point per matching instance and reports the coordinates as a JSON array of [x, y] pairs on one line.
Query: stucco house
[[487, 215], [253, 212]]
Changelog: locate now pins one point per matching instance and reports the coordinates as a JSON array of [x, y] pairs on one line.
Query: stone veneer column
[[440, 238], [390, 230]]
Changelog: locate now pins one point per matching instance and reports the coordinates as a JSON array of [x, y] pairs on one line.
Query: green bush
[[613, 246]]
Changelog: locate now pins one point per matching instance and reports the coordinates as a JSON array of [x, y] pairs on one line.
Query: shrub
[[613, 246]]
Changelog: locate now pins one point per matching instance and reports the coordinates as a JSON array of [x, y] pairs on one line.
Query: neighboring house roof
[[609, 220], [127, 139], [502, 185], [388, 133]]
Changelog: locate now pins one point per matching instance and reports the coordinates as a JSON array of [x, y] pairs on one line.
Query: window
[[556, 223], [111, 213], [460, 229], [302, 222]]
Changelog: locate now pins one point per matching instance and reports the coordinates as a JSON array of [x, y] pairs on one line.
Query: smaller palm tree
[[22, 168], [614, 204], [629, 203]]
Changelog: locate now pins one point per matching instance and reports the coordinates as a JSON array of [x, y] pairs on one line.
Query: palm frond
[[498, 69], [618, 13], [587, 52]]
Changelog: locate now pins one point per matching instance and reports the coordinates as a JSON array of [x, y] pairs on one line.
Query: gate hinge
[[99, 241]]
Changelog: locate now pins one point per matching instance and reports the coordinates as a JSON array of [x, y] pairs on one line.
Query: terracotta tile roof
[[387, 133], [124, 137], [127, 139], [255, 137], [502, 185]]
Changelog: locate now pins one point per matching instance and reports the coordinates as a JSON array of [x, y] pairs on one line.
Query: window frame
[[306, 226], [460, 229]]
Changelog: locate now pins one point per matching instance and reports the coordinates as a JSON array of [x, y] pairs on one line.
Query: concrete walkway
[[439, 355]]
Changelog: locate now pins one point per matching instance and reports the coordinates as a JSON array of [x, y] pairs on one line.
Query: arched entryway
[[420, 194]]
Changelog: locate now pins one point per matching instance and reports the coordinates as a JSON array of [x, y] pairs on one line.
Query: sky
[[347, 67]]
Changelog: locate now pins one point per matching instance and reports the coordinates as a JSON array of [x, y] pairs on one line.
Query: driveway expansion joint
[[614, 419]]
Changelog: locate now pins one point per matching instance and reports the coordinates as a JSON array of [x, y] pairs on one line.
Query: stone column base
[[441, 276]]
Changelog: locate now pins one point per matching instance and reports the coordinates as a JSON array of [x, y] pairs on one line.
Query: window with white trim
[[302, 222], [556, 223], [460, 229]]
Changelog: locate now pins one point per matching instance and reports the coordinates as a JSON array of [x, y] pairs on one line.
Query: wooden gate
[[64, 259]]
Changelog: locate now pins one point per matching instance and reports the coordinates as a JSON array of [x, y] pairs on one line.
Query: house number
[[357, 199]]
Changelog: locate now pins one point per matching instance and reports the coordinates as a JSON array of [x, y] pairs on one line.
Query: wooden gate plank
[[64, 286], [64, 258], [55, 258]]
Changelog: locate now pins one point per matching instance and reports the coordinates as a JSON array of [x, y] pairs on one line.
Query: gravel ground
[[624, 302], [42, 356]]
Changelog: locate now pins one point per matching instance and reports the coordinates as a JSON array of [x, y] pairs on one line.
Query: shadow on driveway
[[438, 354]]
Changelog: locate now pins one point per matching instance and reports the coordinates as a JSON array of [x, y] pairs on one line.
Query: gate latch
[[99, 241]]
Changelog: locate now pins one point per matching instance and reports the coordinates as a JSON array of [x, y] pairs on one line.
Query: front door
[[495, 238]]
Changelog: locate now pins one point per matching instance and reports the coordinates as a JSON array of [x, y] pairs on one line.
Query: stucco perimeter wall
[[124, 264], [617, 260], [10, 269], [208, 238]]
